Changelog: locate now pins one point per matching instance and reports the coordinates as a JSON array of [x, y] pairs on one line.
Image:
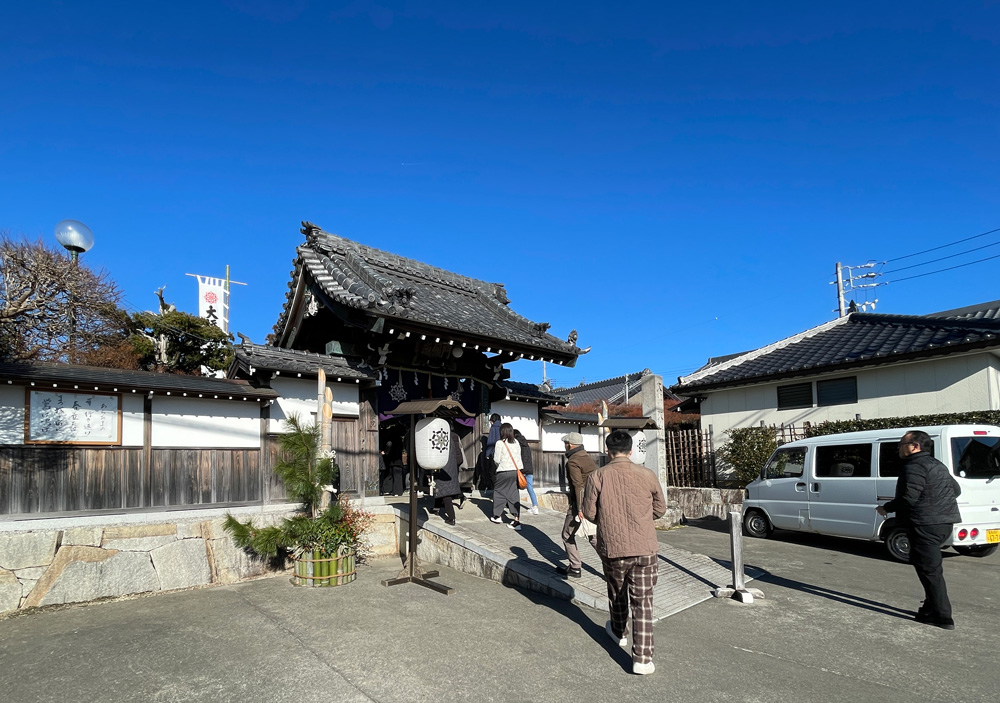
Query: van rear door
[[842, 490]]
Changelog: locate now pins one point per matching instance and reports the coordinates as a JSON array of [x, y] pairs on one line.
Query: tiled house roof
[[529, 391], [855, 340], [611, 390], [250, 357], [89, 378], [408, 294], [983, 311]]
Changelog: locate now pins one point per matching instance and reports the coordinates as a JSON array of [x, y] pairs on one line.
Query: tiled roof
[[571, 418], [857, 339], [261, 356], [407, 292], [530, 391], [611, 390], [983, 311], [90, 377]]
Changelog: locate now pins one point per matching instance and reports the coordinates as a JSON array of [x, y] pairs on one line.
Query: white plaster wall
[[131, 420], [193, 422], [523, 416], [11, 414], [552, 434], [592, 440], [946, 385], [298, 396]]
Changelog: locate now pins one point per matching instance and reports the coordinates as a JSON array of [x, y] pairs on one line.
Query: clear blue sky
[[674, 180]]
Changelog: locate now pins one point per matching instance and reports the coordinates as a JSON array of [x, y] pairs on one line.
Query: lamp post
[[77, 238]]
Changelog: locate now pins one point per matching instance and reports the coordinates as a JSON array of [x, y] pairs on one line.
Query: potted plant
[[325, 544]]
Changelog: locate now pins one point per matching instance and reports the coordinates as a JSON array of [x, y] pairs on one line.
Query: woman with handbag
[[507, 455]]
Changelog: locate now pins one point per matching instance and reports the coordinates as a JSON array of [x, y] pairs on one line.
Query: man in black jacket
[[926, 504]]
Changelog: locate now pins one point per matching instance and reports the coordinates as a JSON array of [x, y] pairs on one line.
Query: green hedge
[[977, 417]]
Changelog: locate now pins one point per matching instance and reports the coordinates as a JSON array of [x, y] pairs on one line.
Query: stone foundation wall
[[76, 560], [705, 502]]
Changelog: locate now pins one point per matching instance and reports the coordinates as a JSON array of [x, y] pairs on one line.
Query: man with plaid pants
[[623, 499]]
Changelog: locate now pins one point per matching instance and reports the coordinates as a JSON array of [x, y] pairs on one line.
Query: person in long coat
[[446, 483]]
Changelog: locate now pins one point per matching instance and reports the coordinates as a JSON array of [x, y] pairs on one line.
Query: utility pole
[[840, 291]]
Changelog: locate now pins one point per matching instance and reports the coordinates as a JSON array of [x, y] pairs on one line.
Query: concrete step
[[528, 559]]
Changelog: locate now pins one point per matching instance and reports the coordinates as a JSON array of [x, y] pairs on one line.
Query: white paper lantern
[[433, 443], [638, 448]]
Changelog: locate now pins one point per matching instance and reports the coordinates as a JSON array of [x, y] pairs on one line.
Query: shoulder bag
[[522, 482]]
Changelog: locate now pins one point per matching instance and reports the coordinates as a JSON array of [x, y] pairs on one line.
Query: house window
[[838, 391], [797, 395]]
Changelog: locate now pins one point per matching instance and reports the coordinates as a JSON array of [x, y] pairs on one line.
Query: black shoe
[[449, 522], [923, 616], [567, 571], [461, 503], [943, 623]]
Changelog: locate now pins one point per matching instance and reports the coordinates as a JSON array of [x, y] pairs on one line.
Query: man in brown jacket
[[579, 466], [624, 499]]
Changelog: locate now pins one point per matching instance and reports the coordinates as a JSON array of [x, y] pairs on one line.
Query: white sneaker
[[534, 510], [498, 520], [622, 641], [643, 669]]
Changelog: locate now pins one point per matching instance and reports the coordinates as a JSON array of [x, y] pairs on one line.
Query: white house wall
[[552, 436], [299, 396], [131, 420], [187, 422], [523, 416], [944, 385]]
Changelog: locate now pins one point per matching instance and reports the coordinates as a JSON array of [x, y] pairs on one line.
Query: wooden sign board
[[59, 417]]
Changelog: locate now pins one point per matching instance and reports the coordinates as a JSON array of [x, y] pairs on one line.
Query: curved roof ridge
[[750, 355]]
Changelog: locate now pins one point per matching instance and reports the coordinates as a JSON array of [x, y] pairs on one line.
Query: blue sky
[[673, 180]]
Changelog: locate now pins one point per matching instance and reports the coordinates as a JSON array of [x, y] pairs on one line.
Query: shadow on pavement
[[593, 630], [839, 596]]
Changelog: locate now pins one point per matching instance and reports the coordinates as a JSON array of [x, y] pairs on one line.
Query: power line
[[925, 251], [950, 256], [957, 266]]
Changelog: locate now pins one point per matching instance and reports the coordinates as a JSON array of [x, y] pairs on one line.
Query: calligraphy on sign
[[72, 418]]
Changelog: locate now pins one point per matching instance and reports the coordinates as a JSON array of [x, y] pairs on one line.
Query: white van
[[832, 484]]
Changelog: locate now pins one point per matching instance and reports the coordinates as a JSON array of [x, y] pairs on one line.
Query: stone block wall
[[705, 502], [83, 559]]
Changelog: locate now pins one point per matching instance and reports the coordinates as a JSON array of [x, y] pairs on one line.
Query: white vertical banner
[[213, 301]]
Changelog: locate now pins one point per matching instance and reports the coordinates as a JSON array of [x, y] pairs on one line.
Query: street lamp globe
[[74, 236]]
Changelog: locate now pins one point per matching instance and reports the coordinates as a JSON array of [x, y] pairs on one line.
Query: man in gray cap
[[579, 466]]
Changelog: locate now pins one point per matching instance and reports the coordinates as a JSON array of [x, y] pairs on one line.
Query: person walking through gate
[[505, 492], [446, 483], [579, 466], [528, 469], [623, 499], [926, 505]]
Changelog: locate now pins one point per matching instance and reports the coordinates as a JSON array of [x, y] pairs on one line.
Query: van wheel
[[756, 524], [897, 544], [977, 550]]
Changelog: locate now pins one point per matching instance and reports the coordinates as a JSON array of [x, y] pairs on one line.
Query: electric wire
[[943, 258], [950, 268], [943, 246]]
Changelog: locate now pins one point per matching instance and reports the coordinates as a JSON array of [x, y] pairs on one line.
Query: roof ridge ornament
[[311, 231]]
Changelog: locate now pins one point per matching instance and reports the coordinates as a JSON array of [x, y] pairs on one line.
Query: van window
[[889, 463], [786, 463], [844, 461], [976, 457]]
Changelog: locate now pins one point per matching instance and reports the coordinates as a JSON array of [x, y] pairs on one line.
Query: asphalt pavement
[[835, 625]]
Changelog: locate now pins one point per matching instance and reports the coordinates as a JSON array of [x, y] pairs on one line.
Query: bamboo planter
[[318, 569]]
